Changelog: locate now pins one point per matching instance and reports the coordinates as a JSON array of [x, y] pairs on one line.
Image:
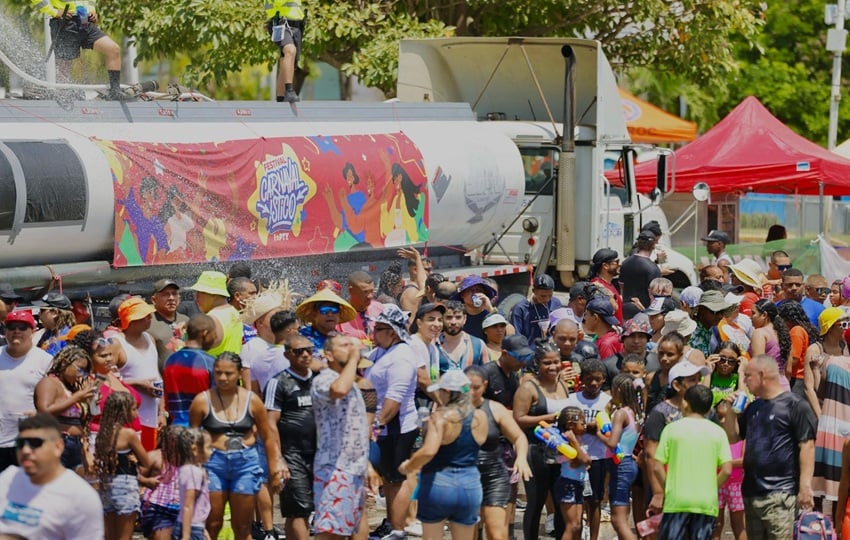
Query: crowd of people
[[181, 420]]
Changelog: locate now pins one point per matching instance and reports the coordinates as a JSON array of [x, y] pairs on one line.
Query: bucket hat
[[211, 282]]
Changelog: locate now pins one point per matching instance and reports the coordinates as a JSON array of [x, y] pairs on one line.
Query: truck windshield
[[541, 166]]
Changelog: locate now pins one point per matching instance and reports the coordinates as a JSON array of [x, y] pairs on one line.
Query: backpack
[[814, 526]]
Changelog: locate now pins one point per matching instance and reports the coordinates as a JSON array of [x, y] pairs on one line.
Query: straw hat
[[304, 311], [748, 272], [278, 295]]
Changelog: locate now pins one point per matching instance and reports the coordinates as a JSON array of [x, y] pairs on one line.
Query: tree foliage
[[689, 37]]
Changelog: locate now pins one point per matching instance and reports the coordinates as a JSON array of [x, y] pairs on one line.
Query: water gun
[[603, 423], [554, 440], [617, 455]]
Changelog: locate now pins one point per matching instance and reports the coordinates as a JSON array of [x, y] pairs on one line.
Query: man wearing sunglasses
[[321, 314], [817, 290], [22, 365], [41, 498]]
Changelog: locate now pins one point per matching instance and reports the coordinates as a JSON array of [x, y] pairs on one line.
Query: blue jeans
[[451, 493]]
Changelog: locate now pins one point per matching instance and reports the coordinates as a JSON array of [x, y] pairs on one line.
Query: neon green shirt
[[231, 325], [692, 449]]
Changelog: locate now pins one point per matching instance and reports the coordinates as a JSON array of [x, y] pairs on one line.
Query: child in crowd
[[670, 351], [724, 376], [696, 453], [569, 488], [635, 366], [119, 481], [729, 494], [627, 414], [591, 400], [194, 448], [160, 496]]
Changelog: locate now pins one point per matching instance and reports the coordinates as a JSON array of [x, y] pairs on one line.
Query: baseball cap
[[517, 345], [22, 316], [714, 301], [133, 309], [163, 283], [492, 320], [454, 380], [646, 235], [829, 317], [54, 300], [661, 304], [605, 255], [7, 292], [582, 289], [544, 281], [602, 306], [716, 236], [560, 314], [428, 308], [733, 299], [686, 368], [691, 295]]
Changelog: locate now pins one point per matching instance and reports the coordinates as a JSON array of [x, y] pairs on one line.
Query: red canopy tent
[[751, 150]]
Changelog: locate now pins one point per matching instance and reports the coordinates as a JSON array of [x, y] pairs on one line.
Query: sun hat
[[211, 282], [602, 306], [748, 272], [829, 317], [21, 316], [133, 309], [276, 296], [471, 281], [714, 301], [686, 368], [395, 318], [678, 321], [454, 380], [305, 311], [493, 319]]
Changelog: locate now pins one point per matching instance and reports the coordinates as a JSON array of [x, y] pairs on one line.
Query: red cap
[[23, 316]]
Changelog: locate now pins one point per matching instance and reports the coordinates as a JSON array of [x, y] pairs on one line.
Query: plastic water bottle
[[83, 15]]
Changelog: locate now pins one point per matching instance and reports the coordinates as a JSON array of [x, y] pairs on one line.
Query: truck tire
[[507, 304]]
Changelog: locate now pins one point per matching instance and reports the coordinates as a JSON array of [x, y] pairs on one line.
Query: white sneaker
[[549, 526], [414, 529]]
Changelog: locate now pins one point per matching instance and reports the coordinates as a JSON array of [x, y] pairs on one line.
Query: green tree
[[689, 37]]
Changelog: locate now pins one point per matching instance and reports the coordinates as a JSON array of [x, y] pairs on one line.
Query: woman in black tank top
[[533, 404], [495, 477], [230, 413]]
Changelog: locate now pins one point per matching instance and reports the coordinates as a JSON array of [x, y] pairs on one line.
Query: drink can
[[477, 301], [157, 387], [649, 526], [740, 403]]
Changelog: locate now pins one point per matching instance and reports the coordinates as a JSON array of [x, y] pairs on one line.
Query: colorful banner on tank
[[265, 198]]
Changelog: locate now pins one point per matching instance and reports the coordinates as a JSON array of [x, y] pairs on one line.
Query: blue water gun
[[554, 440]]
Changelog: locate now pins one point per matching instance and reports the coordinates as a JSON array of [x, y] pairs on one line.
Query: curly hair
[[167, 443], [64, 318], [793, 312], [117, 411], [85, 340], [630, 395], [64, 358], [769, 308], [543, 346]]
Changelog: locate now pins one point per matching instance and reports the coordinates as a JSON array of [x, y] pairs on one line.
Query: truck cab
[[521, 88]]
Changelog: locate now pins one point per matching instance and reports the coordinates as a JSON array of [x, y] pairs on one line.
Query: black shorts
[[292, 35], [394, 450], [296, 499], [8, 456], [72, 38], [599, 470], [495, 484], [686, 525]]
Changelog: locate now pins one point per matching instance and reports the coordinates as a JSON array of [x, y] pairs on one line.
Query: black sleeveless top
[[238, 427], [540, 409], [491, 451]]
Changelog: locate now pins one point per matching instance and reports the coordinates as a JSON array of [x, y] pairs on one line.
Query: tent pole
[[821, 212]]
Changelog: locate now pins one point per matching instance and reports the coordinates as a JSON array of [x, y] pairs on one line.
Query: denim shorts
[[155, 517], [121, 495], [196, 534], [569, 491], [72, 456], [236, 471], [264, 460], [622, 478], [453, 493]]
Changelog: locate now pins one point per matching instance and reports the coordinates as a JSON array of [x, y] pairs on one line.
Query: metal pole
[[836, 45]]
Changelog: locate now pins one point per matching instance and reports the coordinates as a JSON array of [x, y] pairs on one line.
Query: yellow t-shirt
[[231, 325]]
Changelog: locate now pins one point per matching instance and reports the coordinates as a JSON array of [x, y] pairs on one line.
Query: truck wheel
[[508, 303]]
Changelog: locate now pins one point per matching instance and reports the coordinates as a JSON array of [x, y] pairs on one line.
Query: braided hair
[[769, 308], [63, 359], [167, 444], [117, 411], [188, 442], [630, 395]]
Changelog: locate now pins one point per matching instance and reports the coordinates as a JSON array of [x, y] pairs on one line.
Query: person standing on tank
[[286, 23], [73, 26]]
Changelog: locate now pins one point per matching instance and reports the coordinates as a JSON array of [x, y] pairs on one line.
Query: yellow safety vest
[[286, 9], [56, 7]]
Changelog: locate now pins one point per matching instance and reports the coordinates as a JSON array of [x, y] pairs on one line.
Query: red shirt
[[617, 297], [609, 344]]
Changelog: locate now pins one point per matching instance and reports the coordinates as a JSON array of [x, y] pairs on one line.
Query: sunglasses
[[17, 327], [33, 442], [783, 267], [328, 310], [298, 351], [103, 342], [822, 290], [727, 360], [844, 324]]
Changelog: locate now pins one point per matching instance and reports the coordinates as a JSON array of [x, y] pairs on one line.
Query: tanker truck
[[100, 197]]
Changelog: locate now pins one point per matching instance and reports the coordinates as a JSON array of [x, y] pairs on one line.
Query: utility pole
[[836, 42]]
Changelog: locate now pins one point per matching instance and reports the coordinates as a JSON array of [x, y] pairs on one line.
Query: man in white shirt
[[41, 498], [22, 365]]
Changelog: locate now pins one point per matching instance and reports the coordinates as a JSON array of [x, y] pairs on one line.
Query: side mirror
[[661, 173]]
